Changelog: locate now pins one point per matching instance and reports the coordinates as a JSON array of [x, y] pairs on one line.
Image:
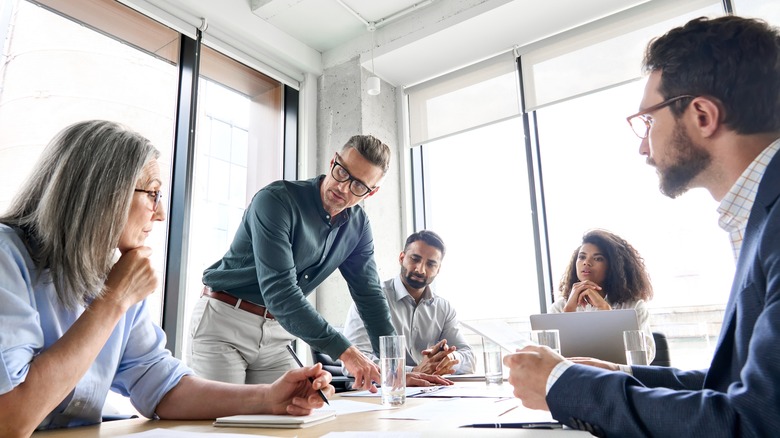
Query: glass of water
[[494, 372], [392, 358], [636, 347], [550, 338]]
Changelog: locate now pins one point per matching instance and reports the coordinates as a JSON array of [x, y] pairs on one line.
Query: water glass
[[550, 338], [392, 359], [494, 372], [636, 347]]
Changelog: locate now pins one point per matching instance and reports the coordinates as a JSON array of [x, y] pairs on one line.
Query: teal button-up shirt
[[286, 246]]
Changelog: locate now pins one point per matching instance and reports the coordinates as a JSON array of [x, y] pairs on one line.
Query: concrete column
[[346, 109]]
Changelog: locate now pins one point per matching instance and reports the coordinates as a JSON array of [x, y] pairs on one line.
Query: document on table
[[169, 433], [344, 407], [336, 408], [484, 391], [465, 411], [499, 332], [364, 434], [410, 392]]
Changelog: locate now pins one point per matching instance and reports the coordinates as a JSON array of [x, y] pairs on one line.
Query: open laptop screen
[[597, 334]]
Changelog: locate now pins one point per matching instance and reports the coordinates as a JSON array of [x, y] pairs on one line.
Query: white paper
[[499, 332], [464, 411], [487, 391], [344, 407], [373, 434], [168, 433], [410, 391]]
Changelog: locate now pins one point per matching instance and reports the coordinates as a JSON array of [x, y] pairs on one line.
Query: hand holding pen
[[300, 364], [437, 360]]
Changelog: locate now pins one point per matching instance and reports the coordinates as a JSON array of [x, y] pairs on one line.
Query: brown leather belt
[[225, 297]]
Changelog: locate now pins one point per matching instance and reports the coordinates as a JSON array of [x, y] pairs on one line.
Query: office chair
[[662, 358], [341, 382]]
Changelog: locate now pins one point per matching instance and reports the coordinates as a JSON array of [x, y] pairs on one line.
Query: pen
[[436, 351], [516, 425], [295, 356]]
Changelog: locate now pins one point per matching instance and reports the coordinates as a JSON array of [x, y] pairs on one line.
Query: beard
[[689, 161], [413, 280]]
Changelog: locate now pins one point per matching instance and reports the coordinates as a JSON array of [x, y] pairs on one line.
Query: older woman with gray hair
[[74, 324]]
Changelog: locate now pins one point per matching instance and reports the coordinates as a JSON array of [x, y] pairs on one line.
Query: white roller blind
[[474, 96], [602, 54]]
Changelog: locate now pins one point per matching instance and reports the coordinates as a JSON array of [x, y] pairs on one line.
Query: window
[[590, 175], [595, 178], [764, 9], [476, 188], [238, 151], [49, 83]]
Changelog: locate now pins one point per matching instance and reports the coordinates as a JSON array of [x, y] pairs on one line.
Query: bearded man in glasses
[[293, 235], [710, 118]]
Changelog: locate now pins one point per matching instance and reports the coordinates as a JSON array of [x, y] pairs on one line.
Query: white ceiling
[[437, 36]]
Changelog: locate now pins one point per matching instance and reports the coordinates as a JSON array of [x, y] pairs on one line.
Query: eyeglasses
[[156, 195], [641, 122], [340, 174]]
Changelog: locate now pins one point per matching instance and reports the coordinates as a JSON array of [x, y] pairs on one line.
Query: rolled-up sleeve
[[146, 370], [21, 336]]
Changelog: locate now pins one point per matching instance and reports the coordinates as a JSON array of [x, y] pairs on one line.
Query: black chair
[[661, 351], [341, 382]]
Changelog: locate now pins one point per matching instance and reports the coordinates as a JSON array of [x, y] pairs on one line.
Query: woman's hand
[[294, 394], [132, 278], [584, 293]]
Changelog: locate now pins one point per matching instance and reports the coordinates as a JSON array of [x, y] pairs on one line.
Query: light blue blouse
[[133, 362]]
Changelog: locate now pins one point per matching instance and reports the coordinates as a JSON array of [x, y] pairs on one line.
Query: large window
[[595, 178], [49, 83], [764, 9], [587, 174], [110, 62], [476, 188], [238, 151]]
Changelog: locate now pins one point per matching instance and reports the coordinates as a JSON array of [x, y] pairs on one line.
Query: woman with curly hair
[[605, 273]]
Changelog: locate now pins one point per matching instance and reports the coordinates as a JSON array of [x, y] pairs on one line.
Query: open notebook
[[277, 421]]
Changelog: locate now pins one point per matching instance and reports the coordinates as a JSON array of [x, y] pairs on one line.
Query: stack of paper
[[277, 421]]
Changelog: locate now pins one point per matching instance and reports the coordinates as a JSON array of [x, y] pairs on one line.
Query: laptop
[[597, 334]]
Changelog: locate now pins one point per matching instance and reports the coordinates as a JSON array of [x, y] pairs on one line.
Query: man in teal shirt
[[294, 234]]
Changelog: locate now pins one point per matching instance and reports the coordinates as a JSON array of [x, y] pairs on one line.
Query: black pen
[[295, 356], [516, 425], [443, 347]]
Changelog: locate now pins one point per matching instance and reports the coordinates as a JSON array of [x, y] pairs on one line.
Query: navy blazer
[[739, 395]]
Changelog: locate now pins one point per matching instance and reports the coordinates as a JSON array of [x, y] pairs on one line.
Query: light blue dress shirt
[[133, 362]]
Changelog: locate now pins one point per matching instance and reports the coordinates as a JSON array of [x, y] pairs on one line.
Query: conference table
[[364, 423]]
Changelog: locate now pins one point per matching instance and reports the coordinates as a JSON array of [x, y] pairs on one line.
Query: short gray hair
[[72, 209], [372, 149]]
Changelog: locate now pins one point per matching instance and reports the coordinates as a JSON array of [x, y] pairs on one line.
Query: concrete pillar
[[346, 109]]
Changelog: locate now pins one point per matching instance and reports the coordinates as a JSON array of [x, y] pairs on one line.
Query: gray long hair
[[74, 206]]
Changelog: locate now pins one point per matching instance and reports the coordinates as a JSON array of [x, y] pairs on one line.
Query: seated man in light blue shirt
[[427, 321]]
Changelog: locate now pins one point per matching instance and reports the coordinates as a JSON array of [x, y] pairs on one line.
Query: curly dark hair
[[627, 279], [733, 59]]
